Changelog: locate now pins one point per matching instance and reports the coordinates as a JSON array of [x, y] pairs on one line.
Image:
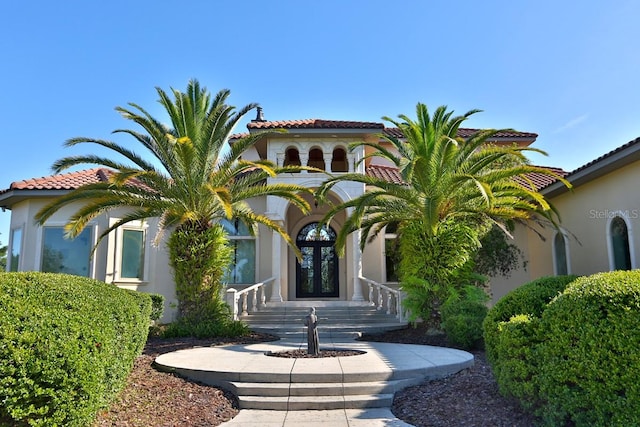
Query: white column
[[304, 160], [327, 157], [276, 267], [357, 266]]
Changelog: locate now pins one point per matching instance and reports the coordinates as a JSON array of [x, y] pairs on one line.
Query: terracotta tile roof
[[314, 124], [541, 180], [67, 181], [391, 174], [387, 173], [467, 132], [236, 136]]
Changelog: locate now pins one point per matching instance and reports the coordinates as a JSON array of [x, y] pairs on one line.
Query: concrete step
[[316, 389], [344, 320], [303, 403], [324, 333]]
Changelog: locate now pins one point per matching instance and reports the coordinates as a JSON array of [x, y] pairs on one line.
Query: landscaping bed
[[152, 398]]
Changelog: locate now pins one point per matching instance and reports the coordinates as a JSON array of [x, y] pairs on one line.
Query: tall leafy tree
[[197, 182], [453, 190]]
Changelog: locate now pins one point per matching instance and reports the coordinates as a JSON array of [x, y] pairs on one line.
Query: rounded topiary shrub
[[589, 359], [510, 335]]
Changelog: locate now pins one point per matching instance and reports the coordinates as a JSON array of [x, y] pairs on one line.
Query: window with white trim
[[132, 254], [16, 249], [243, 257], [63, 255], [561, 254], [131, 258]]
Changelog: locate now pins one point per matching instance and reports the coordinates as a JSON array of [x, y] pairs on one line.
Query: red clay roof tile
[[344, 124], [387, 173], [391, 174], [314, 124], [467, 132], [540, 180], [67, 181]]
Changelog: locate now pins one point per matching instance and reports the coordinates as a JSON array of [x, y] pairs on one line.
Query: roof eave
[[9, 198], [602, 167]]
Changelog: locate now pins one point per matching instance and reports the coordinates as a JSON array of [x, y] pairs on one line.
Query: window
[[339, 161], [132, 254], [63, 255], [391, 253], [243, 258], [560, 254], [16, 249], [619, 244]]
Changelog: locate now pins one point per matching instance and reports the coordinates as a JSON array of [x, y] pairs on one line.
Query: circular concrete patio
[[350, 390]]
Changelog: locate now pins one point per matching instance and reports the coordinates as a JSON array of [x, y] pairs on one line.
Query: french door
[[317, 273]]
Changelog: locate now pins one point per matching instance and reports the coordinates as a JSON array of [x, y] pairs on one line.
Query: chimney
[[259, 116]]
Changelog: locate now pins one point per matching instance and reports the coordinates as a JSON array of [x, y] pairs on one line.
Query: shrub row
[[575, 359], [67, 344]]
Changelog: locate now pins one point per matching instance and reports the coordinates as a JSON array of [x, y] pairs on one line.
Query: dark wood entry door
[[317, 273]]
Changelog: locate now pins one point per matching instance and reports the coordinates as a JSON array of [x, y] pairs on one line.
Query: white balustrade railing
[[238, 300], [384, 297]]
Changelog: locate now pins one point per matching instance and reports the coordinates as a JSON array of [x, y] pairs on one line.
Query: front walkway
[[340, 391]]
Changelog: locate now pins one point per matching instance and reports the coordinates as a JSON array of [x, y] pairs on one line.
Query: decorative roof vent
[[259, 116]]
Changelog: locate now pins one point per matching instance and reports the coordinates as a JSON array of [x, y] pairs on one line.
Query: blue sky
[[565, 70]]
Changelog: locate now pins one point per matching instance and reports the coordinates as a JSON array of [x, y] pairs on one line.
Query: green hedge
[[510, 335], [67, 344], [589, 360]]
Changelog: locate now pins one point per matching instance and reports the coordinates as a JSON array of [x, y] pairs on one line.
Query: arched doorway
[[317, 273]]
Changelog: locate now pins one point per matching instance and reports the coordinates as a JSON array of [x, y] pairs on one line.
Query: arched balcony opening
[[316, 159], [339, 161], [291, 157]]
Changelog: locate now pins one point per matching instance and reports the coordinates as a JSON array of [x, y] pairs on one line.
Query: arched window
[[339, 160], [316, 159], [291, 157], [560, 254], [619, 244]]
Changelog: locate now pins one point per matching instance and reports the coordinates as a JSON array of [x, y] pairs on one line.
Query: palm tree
[[453, 189], [197, 184]]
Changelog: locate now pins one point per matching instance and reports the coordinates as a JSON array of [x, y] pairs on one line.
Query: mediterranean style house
[[132, 257]]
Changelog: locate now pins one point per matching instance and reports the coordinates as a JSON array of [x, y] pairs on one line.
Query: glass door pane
[[327, 269], [306, 271]]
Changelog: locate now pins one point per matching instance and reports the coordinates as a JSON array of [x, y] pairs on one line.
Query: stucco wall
[[158, 278], [585, 212]]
